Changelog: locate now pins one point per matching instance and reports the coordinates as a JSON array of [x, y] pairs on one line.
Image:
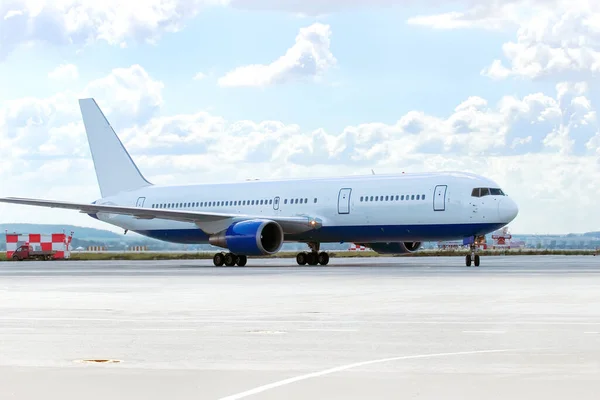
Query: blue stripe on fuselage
[[359, 234]]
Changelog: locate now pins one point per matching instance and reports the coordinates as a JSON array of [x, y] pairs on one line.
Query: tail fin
[[115, 170]]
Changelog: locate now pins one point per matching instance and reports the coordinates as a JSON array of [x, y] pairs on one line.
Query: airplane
[[391, 214]]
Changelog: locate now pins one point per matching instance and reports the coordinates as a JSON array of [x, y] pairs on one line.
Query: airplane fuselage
[[360, 209]]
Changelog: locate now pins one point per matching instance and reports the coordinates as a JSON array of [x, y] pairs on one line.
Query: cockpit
[[480, 192]]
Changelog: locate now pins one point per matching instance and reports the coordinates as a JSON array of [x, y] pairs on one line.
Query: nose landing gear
[[473, 257]]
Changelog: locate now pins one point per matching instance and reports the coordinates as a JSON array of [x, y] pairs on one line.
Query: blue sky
[[390, 87]]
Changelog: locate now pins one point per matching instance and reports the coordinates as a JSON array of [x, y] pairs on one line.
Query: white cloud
[[309, 58], [558, 39], [64, 72], [129, 94], [85, 21], [320, 7], [199, 76]]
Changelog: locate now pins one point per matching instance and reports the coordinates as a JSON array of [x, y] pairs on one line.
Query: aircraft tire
[[219, 260], [476, 260], [468, 260], [312, 258], [241, 261], [323, 258], [230, 259], [301, 258]]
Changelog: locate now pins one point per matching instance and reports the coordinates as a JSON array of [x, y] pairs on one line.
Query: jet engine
[[395, 247], [251, 238]]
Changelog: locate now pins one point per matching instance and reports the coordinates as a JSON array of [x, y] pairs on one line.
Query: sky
[[213, 90]]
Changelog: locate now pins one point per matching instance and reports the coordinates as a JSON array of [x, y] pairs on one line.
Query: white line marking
[[327, 330], [166, 329], [349, 366], [500, 332], [591, 333], [259, 321]]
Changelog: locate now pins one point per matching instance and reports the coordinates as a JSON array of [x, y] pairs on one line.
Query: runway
[[361, 328]]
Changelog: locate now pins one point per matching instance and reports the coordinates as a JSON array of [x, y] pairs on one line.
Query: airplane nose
[[507, 210]]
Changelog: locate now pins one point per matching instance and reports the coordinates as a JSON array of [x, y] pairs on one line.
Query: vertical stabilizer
[[115, 170]]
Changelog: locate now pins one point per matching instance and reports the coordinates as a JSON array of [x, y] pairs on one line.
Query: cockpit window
[[480, 192]]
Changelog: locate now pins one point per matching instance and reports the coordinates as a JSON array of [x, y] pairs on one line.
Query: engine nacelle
[[254, 237], [395, 247]]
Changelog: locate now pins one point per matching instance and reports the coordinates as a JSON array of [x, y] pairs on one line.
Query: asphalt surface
[[387, 328]]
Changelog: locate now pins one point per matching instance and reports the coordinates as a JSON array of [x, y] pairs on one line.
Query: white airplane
[[391, 214]]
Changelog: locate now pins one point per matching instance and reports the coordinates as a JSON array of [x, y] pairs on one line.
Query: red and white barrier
[[58, 242], [355, 247]]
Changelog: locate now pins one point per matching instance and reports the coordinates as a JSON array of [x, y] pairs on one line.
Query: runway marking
[[166, 329], [591, 333], [326, 330], [498, 332], [275, 322], [284, 382]]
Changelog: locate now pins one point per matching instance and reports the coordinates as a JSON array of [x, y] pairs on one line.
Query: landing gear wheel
[[323, 258], [219, 260], [241, 261], [468, 260], [301, 258], [230, 259], [312, 258], [477, 260]]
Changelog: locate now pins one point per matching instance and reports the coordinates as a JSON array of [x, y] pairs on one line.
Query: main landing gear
[[313, 257], [229, 259], [473, 257]]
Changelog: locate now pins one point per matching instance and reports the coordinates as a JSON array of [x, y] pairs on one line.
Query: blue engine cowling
[[395, 247], [254, 237]]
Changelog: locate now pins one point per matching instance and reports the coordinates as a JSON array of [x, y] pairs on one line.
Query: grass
[[340, 254]]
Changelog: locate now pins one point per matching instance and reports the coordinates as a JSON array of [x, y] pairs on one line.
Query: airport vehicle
[[391, 214], [28, 252]]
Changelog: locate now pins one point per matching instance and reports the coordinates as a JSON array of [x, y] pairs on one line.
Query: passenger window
[[376, 198], [412, 197], [285, 201], [422, 197], [386, 198], [315, 199]]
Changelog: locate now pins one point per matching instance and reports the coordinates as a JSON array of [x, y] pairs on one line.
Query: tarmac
[[371, 328]]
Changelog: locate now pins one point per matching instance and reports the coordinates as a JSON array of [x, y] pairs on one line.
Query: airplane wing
[[209, 222]]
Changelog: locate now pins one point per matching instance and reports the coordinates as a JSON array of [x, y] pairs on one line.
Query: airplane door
[[140, 202], [439, 198], [344, 201], [276, 203]]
